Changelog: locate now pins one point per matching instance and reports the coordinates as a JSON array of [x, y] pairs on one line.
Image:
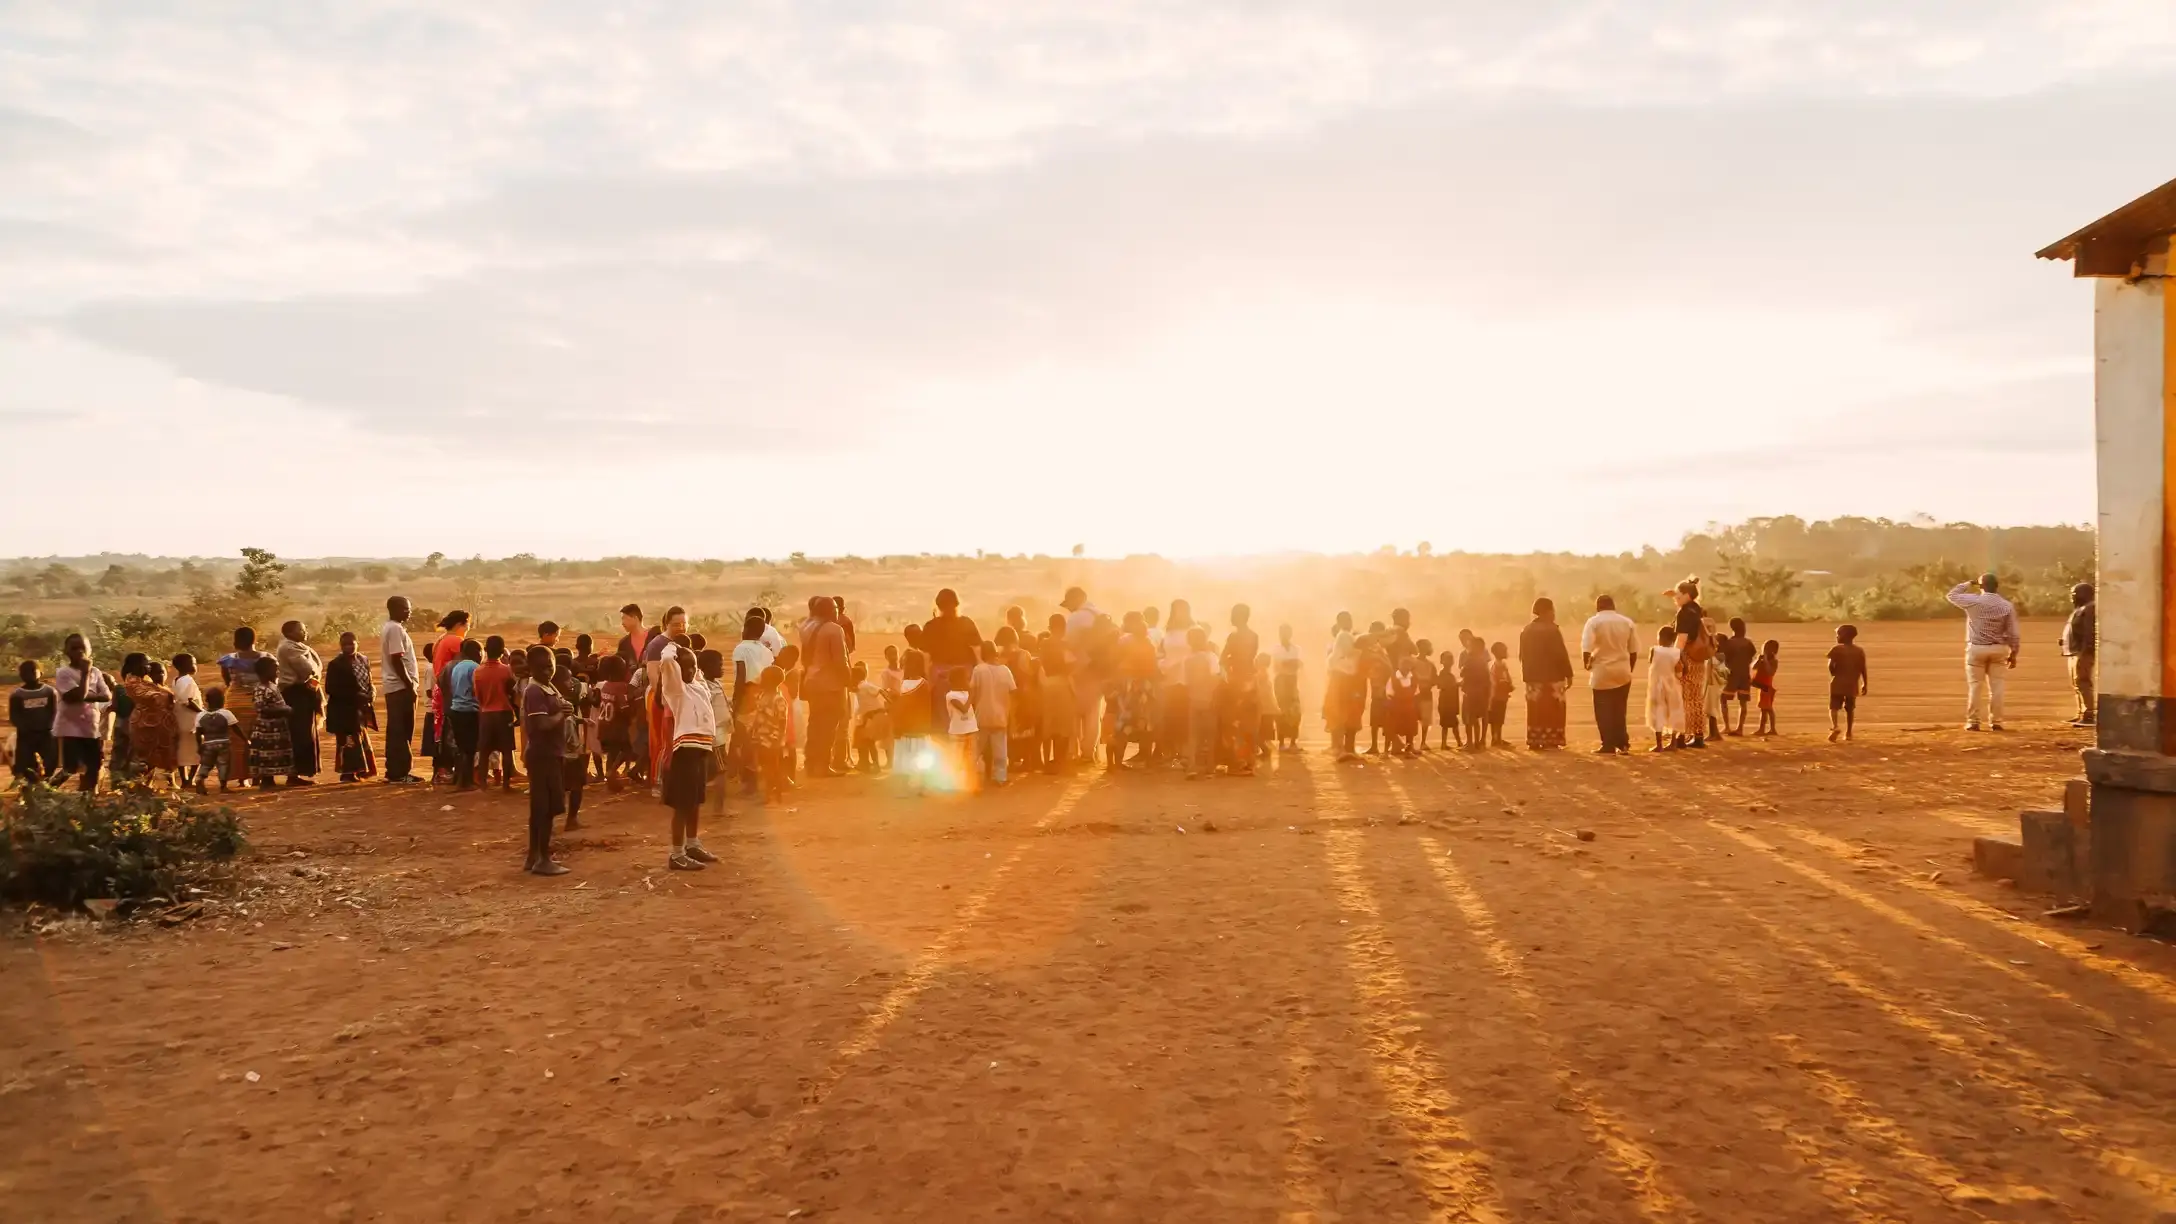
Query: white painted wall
[[2128, 336]]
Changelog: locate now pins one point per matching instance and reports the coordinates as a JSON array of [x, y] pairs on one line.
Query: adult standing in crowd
[[823, 684], [349, 715], [1546, 666], [950, 641], [302, 687], [397, 677], [1080, 625], [1608, 648], [1695, 646], [634, 637], [2079, 642], [239, 670], [1991, 643]]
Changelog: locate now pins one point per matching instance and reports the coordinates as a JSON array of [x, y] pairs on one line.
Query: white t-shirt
[[773, 639], [393, 641], [961, 707], [185, 691], [1611, 637], [755, 655]]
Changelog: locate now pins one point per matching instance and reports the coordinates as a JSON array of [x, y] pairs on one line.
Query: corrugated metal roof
[[2113, 245]]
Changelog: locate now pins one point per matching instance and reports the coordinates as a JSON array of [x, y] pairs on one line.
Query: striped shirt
[[1989, 619]]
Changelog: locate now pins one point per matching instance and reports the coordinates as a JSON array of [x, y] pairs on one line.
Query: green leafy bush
[[63, 847]]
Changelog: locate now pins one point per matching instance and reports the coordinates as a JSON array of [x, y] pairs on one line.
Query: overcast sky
[[1222, 276]]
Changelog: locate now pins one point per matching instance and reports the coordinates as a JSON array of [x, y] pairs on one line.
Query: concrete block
[[2047, 860], [2133, 851], [1997, 858], [2078, 802]]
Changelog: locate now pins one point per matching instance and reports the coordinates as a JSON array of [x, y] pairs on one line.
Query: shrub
[[63, 847]]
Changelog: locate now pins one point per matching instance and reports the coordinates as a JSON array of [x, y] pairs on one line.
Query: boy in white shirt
[[990, 687]]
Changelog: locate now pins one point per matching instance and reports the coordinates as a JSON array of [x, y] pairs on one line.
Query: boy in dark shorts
[[544, 715], [1764, 679], [30, 712], [1846, 682], [1737, 653]]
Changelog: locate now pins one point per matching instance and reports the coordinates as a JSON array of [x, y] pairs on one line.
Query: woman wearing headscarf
[[1546, 664], [271, 741], [1695, 647], [348, 712], [240, 672]]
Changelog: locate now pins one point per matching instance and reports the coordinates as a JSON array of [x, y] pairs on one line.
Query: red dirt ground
[[1768, 989]]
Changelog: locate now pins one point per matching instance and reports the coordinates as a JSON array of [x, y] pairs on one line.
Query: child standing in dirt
[[1764, 682], [1401, 696], [910, 722], [1665, 695], [1499, 699], [763, 715], [30, 711], [214, 740], [1846, 682], [1199, 670], [960, 724], [1447, 689]]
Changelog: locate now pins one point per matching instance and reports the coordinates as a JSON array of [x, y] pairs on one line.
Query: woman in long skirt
[[348, 711], [1695, 647], [1546, 664], [151, 723], [1345, 699], [271, 748]]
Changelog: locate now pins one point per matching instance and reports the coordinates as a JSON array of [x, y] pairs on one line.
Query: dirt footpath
[[1766, 989]]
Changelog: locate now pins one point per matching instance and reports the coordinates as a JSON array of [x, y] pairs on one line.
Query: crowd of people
[[690, 720]]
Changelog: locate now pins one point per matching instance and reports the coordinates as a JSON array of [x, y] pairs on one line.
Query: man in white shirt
[[1609, 645], [397, 678], [1991, 643]]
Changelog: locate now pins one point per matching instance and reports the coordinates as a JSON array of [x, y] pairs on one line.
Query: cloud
[[812, 229]]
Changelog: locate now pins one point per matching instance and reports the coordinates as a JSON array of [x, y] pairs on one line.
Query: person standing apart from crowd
[[1546, 667], [349, 715], [687, 770], [1847, 683], [397, 679], [544, 715], [302, 687], [1991, 641], [2079, 644], [1608, 649], [85, 693], [1694, 649], [824, 681]]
